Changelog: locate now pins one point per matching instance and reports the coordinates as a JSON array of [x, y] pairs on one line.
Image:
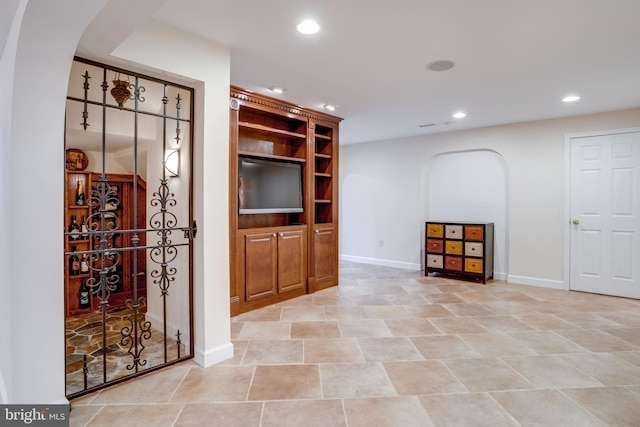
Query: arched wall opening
[[470, 185]]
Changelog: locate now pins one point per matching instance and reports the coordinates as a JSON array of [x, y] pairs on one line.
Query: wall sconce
[[172, 163]]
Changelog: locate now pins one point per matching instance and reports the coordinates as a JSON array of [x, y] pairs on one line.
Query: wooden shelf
[[270, 156], [267, 129]]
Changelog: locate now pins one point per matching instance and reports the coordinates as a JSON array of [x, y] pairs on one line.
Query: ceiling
[[514, 59]]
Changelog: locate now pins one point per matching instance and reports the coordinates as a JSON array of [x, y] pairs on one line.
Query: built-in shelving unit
[[279, 255]]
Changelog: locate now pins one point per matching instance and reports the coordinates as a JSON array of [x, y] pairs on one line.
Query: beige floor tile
[[422, 377], [442, 298], [265, 314], [453, 287], [495, 345], [304, 413], [550, 372], [411, 327], [331, 301], [502, 323], [136, 416], [407, 299], [630, 356], [429, 310], [363, 328], [350, 380], [163, 383], [457, 325], [486, 374], [443, 347], [597, 341], [405, 411], [470, 309], [238, 414], [547, 342], [285, 382], [630, 335], [370, 300], [388, 349], [268, 330], [239, 348], [299, 314], [614, 406], [332, 350], [316, 329], [81, 414], [629, 319], [478, 296], [301, 301], [588, 320], [235, 329], [545, 408], [388, 312], [471, 409], [506, 308], [345, 313], [605, 368], [215, 384], [545, 322], [273, 352]]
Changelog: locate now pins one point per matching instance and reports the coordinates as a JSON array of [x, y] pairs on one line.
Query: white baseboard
[[213, 355], [533, 281], [381, 262]]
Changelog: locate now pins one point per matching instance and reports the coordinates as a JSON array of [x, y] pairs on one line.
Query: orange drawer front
[[434, 245], [473, 265], [453, 263], [473, 232], [454, 248], [435, 230]]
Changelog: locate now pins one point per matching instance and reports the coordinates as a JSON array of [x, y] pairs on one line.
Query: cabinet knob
[[575, 222]]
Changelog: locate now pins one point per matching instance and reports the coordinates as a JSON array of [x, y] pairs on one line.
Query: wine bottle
[[85, 229], [74, 263], [80, 193], [84, 264], [74, 229], [83, 296]]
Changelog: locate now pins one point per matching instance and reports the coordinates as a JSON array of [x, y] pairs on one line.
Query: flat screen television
[[269, 186]]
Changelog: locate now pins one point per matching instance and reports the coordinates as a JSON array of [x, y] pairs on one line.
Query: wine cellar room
[[128, 225]]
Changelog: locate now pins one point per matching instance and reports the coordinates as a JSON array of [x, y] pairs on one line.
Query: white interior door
[[605, 204]]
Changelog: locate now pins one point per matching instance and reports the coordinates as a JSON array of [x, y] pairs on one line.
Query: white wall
[[46, 45], [391, 171], [469, 186], [11, 12], [34, 129], [208, 65]]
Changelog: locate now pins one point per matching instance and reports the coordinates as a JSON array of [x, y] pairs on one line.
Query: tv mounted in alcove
[[269, 186]]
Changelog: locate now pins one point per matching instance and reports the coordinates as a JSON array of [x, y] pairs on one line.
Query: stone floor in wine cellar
[[84, 337]]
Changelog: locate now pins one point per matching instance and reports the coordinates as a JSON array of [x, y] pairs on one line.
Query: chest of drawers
[[460, 248]]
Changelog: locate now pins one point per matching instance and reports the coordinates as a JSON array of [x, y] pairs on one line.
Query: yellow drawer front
[[435, 230], [435, 261], [453, 232], [454, 248], [473, 265]]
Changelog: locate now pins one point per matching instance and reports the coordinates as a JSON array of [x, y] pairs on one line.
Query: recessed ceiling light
[[459, 115], [330, 107], [570, 98], [277, 89], [308, 26], [440, 65]]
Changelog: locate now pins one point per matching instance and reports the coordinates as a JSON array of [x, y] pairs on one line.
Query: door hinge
[[190, 233]]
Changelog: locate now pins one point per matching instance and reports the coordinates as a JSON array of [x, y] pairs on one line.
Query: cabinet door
[[291, 266], [325, 255], [260, 266]]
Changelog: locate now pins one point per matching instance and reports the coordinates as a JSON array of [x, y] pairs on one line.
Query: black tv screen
[[268, 186]]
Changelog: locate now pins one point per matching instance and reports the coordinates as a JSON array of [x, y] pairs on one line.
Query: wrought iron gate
[[129, 226]]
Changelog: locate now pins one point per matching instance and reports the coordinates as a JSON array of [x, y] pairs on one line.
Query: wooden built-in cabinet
[[275, 256], [121, 207], [459, 248]]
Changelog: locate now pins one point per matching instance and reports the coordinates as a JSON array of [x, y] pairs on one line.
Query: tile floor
[[390, 347]]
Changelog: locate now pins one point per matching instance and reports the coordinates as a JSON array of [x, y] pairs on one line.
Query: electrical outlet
[[381, 243]]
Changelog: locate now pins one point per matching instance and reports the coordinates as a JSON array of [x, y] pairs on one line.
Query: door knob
[[576, 221]]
